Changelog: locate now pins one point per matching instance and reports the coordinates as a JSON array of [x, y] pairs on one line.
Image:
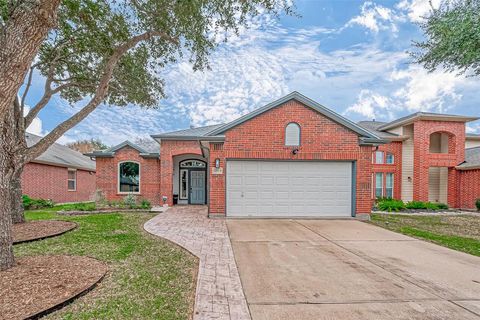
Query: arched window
[[439, 142], [129, 177], [292, 134], [192, 164]]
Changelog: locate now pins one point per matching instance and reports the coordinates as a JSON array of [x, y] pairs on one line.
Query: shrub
[[416, 205], [477, 204], [442, 206], [420, 205], [31, 203], [130, 201], [145, 204], [388, 204]]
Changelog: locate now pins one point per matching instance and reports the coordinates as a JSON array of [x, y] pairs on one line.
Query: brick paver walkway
[[219, 292]]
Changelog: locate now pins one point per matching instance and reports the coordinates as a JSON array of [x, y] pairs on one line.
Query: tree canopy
[[85, 146], [452, 38]]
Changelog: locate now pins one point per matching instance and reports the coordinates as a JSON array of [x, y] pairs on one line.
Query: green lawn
[[460, 232], [149, 278]]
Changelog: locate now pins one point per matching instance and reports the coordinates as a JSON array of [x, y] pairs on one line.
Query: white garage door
[[289, 189]]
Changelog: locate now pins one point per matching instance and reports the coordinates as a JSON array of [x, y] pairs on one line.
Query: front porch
[[190, 175]]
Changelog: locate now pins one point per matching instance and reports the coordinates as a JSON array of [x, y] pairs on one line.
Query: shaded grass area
[[460, 232], [149, 278]]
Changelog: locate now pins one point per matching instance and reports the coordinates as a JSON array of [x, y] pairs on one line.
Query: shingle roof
[[192, 132], [373, 127], [146, 149], [61, 155], [421, 114], [365, 135], [472, 158]]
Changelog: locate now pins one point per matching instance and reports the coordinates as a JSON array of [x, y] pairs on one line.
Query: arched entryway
[[190, 180]]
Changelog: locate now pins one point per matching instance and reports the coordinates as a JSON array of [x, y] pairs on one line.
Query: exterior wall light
[[217, 163]]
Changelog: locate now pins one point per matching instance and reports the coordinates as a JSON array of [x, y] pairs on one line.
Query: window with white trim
[[389, 185], [390, 158], [72, 180], [378, 185], [292, 134], [129, 177], [379, 157]]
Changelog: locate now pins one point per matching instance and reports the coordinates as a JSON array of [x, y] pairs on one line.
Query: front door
[[197, 187]]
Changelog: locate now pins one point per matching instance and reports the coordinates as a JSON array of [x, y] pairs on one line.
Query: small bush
[[442, 206], [31, 203], [145, 204], [420, 205], [130, 201], [416, 205], [477, 204], [388, 204]]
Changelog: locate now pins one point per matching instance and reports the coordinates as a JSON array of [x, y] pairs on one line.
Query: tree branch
[[47, 95], [100, 94]]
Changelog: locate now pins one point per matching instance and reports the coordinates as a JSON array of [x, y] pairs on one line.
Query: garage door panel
[[288, 188]]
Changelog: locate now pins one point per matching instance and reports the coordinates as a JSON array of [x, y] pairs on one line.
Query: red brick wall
[[468, 188], [423, 159], [263, 137], [107, 175], [394, 148], [50, 182]]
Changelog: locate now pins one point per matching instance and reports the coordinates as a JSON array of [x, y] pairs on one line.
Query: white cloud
[[370, 104], [417, 90], [416, 10], [36, 127], [374, 17], [435, 91]]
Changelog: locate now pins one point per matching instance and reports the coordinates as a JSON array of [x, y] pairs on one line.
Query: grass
[[459, 232], [149, 278]]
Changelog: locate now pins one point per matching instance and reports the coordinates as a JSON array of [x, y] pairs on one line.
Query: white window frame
[[386, 158], [74, 180], [180, 185], [393, 183], [383, 157], [299, 134], [382, 187], [139, 178]]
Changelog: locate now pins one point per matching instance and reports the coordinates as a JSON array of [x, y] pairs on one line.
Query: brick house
[[297, 158], [60, 174]]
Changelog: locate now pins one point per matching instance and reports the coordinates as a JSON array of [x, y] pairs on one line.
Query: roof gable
[[307, 102], [124, 144]]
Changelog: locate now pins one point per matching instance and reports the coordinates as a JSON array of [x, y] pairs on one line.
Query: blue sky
[[350, 56]]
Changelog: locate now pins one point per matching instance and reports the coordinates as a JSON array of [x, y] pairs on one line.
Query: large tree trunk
[[6, 248], [12, 160], [26, 26], [17, 203]]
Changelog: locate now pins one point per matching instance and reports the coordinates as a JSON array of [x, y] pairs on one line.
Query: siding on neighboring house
[[407, 164], [50, 182]]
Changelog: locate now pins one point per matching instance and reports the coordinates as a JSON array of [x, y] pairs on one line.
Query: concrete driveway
[[341, 269]]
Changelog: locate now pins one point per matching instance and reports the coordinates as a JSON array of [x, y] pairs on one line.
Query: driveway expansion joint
[[219, 293]]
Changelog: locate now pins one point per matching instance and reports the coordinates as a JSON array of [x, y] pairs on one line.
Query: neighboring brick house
[[60, 174], [296, 158]]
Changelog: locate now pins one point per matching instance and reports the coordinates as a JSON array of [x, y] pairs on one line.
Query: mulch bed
[[38, 285], [36, 230]]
